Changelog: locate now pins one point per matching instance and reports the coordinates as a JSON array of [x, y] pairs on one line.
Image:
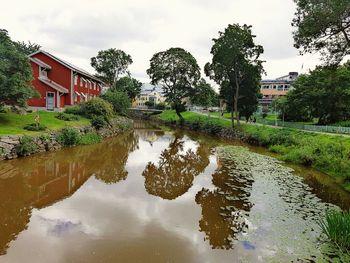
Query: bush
[[35, 127], [160, 106], [67, 117], [89, 138], [336, 226], [26, 146], [68, 136], [119, 100], [97, 107], [76, 110], [98, 122]]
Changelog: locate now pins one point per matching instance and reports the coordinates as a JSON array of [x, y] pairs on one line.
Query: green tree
[[15, 74], [177, 71], [129, 85], [119, 100], [110, 64], [322, 94], [205, 95], [323, 25], [27, 48], [236, 66]]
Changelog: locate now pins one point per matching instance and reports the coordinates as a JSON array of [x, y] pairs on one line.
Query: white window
[[94, 85], [75, 80], [81, 81]]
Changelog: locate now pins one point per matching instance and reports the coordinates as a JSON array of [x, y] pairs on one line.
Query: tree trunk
[[232, 116], [178, 113], [236, 100]]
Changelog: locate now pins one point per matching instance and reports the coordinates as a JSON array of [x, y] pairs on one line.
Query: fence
[[301, 126]]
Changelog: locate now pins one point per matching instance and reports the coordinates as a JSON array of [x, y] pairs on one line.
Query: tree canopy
[[27, 48], [323, 25], [205, 95], [178, 72], [110, 64], [15, 73], [129, 85], [322, 94], [236, 68]]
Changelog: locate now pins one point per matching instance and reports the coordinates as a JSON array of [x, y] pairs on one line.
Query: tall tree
[[129, 85], [178, 72], [205, 95], [323, 25], [15, 73], [27, 48], [236, 66], [110, 64], [322, 94]]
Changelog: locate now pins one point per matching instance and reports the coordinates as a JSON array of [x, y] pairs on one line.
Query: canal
[[162, 195]]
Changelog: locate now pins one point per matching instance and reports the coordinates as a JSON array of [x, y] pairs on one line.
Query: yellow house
[[149, 93]]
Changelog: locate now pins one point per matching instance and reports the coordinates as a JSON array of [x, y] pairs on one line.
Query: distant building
[[60, 83], [150, 93], [271, 89]]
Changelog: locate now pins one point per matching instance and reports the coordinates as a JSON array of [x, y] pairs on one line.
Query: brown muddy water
[[161, 195]]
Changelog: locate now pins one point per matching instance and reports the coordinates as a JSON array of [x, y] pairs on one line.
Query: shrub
[[336, 226], [150, 104], [35, 127], [26, 146], [97, 107], [76, 110], [67, 117], [89, 138], [98, 122], [160, 106], [68, 136], [119, 100]]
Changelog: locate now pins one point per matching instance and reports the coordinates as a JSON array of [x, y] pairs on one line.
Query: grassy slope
[[12, 123], [329, 154]]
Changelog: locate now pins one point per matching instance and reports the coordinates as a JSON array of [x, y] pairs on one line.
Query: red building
[[60, 83]]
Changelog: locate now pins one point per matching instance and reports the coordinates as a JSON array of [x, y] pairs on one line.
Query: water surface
[[159, 195]]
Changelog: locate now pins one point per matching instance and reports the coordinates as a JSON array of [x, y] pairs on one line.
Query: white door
[[50, 101]]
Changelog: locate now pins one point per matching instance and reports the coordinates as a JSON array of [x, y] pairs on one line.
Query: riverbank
[[14, 146], [328, 154]]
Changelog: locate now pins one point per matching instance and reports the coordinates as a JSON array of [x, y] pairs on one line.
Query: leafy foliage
[[98, 122], [236, 68], [110, 64], [323, 25], [177, 71], [336, 226], [129, 85], [205, 95], [76, 110], [97, 107], [119, 100], [323, 94], [27, 48], [35, 127], [68, 136], [26, 146], [15, 73], [67, 117], [89, 138]]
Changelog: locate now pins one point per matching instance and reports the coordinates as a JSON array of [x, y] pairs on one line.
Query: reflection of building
[[271, 89], [151, 93]]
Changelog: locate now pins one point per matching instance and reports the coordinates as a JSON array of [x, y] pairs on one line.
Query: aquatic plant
[[68, 136], [89, 138], [336, 226], [26, 146]]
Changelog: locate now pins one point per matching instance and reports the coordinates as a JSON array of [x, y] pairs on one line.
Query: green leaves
[[129, 85], [110, 64], [323, 25]]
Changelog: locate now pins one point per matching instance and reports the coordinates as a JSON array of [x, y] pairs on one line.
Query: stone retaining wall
[[48, 142]]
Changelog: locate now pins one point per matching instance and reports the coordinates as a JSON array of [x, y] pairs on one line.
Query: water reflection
[[176, 169], [224, 209], [42, 180]]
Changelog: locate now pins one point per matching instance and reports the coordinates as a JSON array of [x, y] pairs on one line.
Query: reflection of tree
[[223, 209], [174, 174], [43, 179]]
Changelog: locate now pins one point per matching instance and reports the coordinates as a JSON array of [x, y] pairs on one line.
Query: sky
[[76, 30]]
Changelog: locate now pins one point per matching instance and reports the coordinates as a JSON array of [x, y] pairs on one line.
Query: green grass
[[327, 153], [12, 123], [336, 226]]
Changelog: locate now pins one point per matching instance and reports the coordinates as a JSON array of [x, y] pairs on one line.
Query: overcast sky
[[76, 30]]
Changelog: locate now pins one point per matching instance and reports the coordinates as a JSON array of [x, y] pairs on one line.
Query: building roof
[[147, 88], [40, 63], [66, 64], [53, 85]]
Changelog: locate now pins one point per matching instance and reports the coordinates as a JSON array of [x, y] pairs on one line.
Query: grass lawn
[[12, 123]]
